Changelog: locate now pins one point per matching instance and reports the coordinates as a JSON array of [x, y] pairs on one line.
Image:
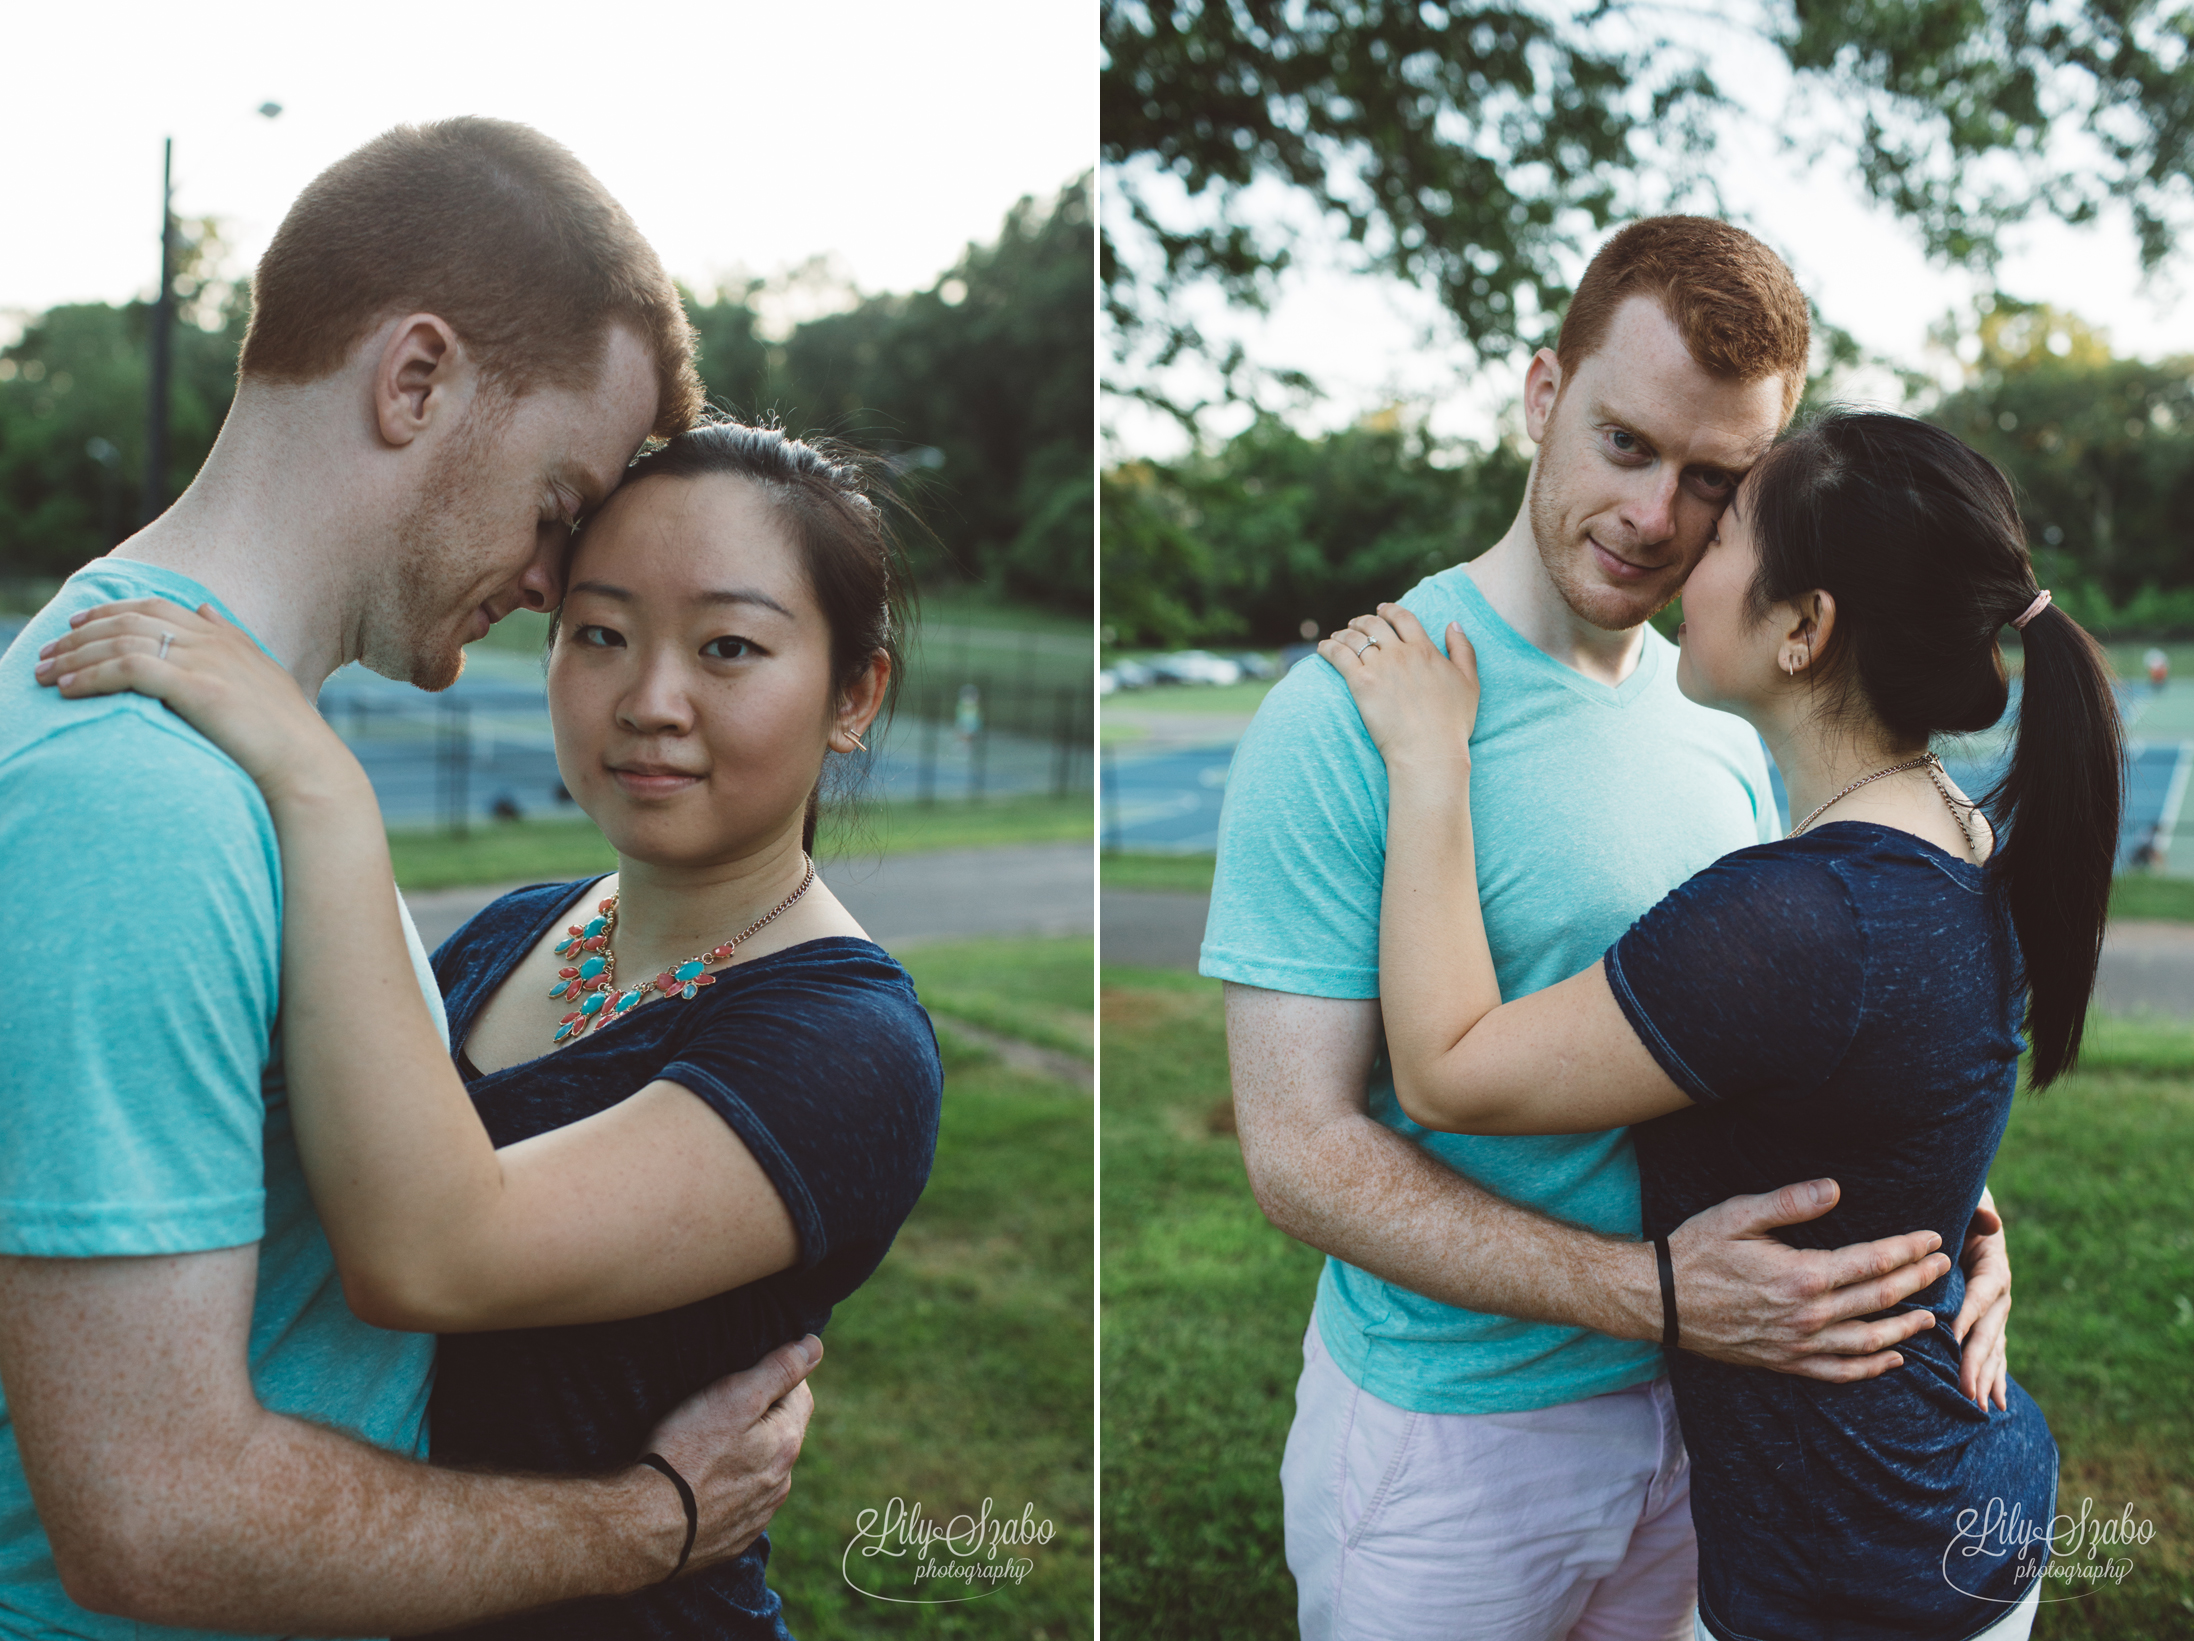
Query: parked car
[[1195, 667]]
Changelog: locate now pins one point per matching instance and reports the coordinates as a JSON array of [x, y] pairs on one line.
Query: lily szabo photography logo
[[902, 1554], [2084, 1552]]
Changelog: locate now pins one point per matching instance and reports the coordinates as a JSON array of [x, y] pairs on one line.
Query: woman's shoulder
[[834, 983]]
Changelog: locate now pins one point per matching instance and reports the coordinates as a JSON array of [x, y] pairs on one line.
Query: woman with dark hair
[[1846, 1002], [691, 1102]]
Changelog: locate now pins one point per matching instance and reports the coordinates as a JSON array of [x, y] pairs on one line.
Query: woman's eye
[[597, 638], [727, 649]]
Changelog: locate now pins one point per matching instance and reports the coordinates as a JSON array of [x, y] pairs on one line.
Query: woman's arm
[[653, 1203], [1561, 1061]]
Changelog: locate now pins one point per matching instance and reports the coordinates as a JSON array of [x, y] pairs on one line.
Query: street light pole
[[163, 317]]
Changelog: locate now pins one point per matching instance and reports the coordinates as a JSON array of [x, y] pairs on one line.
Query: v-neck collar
[[1523, 652]]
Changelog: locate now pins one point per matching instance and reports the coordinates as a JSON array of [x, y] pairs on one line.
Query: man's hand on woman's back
[[1744, 1297]]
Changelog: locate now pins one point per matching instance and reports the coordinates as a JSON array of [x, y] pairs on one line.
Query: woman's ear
[[858, 706], [1802, 627]]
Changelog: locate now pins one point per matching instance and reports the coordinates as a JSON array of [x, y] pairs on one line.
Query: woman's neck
[[1819, 760], [666, 914]]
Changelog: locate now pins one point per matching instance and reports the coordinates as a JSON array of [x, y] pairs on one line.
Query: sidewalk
[[2146, 967], [902, 900]]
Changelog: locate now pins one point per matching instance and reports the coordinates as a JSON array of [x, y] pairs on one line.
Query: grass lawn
[[1182, 874], [2164, 898], [2170, 899], [962, 1370], [554, 848], [1243, 697], [1204, 1307]]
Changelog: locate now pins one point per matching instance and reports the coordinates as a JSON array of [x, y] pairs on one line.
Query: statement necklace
[[1934, 767], [592, 981]]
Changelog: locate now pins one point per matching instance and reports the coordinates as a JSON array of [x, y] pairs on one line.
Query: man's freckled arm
[[1325, 1172], [172, 1497]]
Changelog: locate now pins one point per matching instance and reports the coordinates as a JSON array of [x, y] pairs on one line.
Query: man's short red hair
[[489, 226], [1741, 315]]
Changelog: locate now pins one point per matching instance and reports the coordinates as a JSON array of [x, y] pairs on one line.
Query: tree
[[1272, 529], [2101, 449], [1473, 148], [979, 389], [981, 386], [74, 383]]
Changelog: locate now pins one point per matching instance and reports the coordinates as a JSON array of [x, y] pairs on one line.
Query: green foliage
[[552, 849], [1204, 1307], [1474, 148], [1203, 1312], [961, 1369], [990, 368], [2102, 451], [1954, 106], [1273, 529], [1458, 146], [78, 374]]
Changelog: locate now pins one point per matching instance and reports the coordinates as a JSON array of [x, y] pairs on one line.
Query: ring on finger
[[166, 639], [1366, 648]]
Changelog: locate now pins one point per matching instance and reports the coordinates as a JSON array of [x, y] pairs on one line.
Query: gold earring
[[859, 745]]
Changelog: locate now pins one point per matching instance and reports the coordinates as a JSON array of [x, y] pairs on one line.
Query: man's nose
[[541, 584], [1653, 514]]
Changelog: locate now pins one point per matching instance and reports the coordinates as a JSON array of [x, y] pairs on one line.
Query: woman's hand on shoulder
[[212, 675], [1418, 704]]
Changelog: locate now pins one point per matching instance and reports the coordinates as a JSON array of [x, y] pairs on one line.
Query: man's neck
[[271, 527], [1514, 581]]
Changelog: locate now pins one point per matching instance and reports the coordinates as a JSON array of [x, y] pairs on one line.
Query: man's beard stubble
[[416, 639], [1564, 568]]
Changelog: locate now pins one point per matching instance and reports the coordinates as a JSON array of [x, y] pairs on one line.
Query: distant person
[[716, 1099], [1845, 1001], [198, 1431], [1485, 1443]]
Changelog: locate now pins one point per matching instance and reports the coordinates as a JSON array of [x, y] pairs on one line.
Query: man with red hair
[[1484, 1445], [458, 342]]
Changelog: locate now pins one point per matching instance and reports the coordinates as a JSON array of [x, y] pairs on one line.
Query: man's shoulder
[[119, 754]]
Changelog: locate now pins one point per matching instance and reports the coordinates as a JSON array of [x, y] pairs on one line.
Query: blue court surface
[[483, 747], [1168, 803]]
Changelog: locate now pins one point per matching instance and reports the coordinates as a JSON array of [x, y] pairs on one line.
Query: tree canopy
[[1474, 148], [978, 389]]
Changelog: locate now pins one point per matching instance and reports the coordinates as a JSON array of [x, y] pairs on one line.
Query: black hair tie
[[1667, 1264], [656, 1461]]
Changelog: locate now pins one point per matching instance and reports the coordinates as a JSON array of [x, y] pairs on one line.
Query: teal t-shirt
[[145, 1111], [1587, 805]]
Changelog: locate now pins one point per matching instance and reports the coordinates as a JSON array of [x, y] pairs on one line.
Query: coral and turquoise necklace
[[592, 981]]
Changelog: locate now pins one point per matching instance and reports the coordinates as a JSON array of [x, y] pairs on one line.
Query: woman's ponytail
[[1918, 538], [2058, 806]]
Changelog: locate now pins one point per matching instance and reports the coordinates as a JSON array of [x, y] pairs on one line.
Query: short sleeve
[[827, 1069], [145, 877], [1749, 979], [1302, 846]]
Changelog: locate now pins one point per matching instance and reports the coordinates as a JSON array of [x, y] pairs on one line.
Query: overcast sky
[[1372, 343], [739, 135]]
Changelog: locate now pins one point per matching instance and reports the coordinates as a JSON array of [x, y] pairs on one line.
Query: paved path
[[902, 900], [2146, 966]]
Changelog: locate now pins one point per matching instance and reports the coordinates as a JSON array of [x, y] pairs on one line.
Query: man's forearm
[[304, 1530], [1359, 1191]]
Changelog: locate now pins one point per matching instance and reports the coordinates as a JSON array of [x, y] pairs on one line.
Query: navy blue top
[[823, 1063], [1842, 1005]]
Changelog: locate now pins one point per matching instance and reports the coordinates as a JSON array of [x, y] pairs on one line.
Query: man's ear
[[857, 708], [419, 378], [1542, 386]]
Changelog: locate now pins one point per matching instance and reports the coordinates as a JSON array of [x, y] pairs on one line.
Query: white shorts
[[1569, 1523]]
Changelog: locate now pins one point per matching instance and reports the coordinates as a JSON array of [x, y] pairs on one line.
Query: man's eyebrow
[[731, 595]]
